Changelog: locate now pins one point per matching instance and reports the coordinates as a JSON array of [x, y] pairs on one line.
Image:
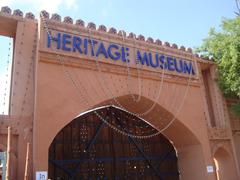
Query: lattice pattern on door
[[88, 149]]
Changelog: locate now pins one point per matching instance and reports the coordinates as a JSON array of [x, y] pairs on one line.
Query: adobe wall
[[23, 29], [63, 93], [235, 126]]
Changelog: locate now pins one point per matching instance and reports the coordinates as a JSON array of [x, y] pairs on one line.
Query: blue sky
[[184, 22], [5, 73]]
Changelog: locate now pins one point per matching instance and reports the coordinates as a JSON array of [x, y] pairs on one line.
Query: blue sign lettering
[[102, 50], [77, 44], [142, 59]]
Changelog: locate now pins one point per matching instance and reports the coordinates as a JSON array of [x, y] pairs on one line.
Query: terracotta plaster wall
[[58, 102], [23, 30], [22, 87], [64, 90], [235, 126], [236, 138]]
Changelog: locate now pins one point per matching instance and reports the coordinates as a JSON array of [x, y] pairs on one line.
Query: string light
[[30, 74], [16, 76], [119, 104], [128, 72], [105, 121], [110, 92]]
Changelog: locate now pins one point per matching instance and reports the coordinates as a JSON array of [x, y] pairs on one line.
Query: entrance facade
[[100, 104]]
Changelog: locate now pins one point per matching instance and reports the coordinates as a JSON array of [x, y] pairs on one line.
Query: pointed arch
[[88, 147], [224, 164]]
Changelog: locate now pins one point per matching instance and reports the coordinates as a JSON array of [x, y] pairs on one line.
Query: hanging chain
[[114, 98], [68, 74], [128, 71]]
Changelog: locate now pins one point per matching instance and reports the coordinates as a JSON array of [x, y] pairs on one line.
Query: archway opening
[[224, 165], [90, 148]]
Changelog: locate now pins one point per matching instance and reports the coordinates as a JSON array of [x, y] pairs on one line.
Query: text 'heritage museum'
[[91, 103]]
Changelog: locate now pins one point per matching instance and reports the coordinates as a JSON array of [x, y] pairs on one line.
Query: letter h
[[56, 39]]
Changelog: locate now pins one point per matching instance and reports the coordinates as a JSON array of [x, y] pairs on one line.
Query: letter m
[[142, 59]]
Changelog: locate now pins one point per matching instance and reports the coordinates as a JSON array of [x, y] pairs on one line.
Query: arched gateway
[[90, 148]]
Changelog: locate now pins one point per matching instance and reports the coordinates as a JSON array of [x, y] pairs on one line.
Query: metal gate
[[89, 149]]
